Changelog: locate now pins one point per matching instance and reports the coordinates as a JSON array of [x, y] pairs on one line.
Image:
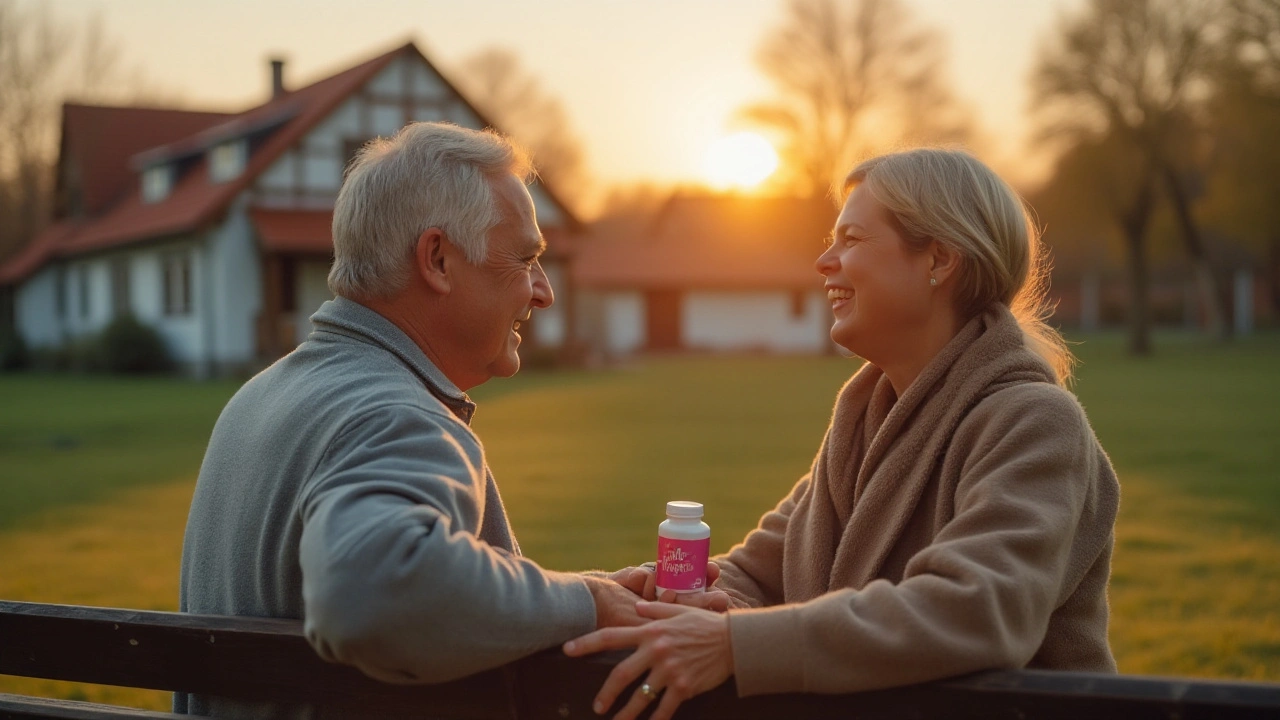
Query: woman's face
[[878, 288]]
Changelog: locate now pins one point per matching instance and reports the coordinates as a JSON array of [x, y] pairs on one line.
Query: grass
[[96, 475]]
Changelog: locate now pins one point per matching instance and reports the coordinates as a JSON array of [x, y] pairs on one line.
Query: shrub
[[13, 350], [128, 346]]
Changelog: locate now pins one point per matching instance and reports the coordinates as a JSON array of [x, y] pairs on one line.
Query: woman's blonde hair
[[951, 197]]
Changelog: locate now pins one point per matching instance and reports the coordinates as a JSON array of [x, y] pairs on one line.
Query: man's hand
[[633, 579], [712, 599], [615, 604]]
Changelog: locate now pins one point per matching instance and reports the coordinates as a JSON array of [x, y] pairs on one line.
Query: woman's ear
[[431, 261], [945, 261]]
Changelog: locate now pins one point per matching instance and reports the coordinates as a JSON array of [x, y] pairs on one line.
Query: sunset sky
[[650, 85]]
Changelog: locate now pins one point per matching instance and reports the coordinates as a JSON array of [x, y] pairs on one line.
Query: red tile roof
[[107, 144], [294, 231], [311, 232], [710, 242], [99, 141]]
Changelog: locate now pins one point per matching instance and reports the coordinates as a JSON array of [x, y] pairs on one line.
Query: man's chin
[[507, 366]]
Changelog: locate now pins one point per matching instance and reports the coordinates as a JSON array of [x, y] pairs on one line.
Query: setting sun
[[742, 160]]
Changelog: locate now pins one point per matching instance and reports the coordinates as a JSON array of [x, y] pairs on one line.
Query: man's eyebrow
[[540, 246]]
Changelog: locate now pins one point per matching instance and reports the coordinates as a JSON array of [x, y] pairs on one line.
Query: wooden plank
[[20, 707], [244, 658], [269, 659]]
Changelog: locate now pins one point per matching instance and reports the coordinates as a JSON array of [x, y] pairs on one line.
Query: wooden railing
[[263, 659]]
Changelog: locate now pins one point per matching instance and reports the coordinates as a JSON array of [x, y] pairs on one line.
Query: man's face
[[489, 301]]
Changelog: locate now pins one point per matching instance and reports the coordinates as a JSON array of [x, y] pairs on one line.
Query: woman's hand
[[643, 582], [685, 652]]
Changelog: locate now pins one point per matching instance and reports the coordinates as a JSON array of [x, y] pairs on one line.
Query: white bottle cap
[[684, 509]]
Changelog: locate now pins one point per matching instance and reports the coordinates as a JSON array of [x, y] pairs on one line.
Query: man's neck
[[415, 321]]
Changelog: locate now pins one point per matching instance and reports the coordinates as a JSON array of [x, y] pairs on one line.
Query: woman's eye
[[828, 241]]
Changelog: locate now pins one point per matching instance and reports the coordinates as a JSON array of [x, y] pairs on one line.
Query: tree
[[515, 101], [852, 77], [1099, 186], [45, 61], [1244, 117], [1138, 72]]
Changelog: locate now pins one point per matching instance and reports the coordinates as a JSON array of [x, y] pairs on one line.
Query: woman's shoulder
[[1042, 408]]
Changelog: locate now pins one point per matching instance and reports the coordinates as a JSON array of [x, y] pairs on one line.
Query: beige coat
[[967, 525]]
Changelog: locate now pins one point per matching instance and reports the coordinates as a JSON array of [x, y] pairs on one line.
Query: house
[[214, 228], [707, 273]]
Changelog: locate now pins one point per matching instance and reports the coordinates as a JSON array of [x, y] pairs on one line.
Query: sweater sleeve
[[981, 595], [395, 580], [751, 572]]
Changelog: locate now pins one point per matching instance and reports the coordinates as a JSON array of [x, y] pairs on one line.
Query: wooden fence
[[263, 659]]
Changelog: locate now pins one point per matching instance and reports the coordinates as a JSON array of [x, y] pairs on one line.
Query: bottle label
[[682, 564]]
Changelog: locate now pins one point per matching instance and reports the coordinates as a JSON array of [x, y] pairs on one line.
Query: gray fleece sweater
[[344, 486]]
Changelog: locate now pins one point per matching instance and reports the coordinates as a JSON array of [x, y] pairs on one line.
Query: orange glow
[[742, 160]]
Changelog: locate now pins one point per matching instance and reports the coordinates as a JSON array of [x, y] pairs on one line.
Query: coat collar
[[351, 319]]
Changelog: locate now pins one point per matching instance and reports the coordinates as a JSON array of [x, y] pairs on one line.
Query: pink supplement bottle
[[683, 545]]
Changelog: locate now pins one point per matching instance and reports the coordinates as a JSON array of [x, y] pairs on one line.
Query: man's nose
[[543, 295]]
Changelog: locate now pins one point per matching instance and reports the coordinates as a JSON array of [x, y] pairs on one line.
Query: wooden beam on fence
[[265, 659]]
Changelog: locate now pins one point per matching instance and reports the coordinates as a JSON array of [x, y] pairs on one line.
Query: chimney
[[277, 78]]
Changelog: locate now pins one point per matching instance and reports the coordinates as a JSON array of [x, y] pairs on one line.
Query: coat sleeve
[[751, 572], [981, 595], [395, 580]]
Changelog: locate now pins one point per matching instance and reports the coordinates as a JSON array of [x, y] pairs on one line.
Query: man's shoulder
[[335, 382]]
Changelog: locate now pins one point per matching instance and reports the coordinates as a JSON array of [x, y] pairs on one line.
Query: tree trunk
[[1202, 270], [1134, 221]]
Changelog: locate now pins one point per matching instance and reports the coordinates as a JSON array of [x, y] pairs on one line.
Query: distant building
[[707, 273], [215, 228]]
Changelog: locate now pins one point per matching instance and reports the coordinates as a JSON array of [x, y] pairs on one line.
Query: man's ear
[[945, 259], [431, 261]]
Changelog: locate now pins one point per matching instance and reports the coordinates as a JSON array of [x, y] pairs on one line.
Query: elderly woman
[[959, 514]]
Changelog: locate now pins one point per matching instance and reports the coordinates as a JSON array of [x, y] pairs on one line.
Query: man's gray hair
[[428, 175]]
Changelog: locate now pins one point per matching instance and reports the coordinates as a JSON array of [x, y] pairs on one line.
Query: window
[[349, 150], [227, 161], [60, 291], [176, 282], [120, 304], [798, 302], [83, 276], [156, 183]]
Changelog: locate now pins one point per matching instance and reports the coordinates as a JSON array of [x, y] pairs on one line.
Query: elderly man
[[343, 484]]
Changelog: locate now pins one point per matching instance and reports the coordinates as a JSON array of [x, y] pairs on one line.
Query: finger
[[650, 586], [667, 706], [660, 610], [623, 674], [713, 573], [606, 639], [638, 702], [669, 596], [715, 600]]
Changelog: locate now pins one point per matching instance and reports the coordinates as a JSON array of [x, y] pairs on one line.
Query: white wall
[[235, 282], [753, 321], [624, 322], [36, 309]]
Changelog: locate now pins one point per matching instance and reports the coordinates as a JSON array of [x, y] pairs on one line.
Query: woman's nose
[[828, 261]]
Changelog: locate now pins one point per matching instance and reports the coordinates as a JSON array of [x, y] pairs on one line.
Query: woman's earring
[[933, 281]]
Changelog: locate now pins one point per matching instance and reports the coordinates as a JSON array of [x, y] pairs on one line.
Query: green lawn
[[77, 439], [95, 475]]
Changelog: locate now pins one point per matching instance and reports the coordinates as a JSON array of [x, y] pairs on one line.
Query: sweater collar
[[349, 318]]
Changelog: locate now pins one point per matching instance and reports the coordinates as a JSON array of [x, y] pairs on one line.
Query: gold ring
[[648, 692]]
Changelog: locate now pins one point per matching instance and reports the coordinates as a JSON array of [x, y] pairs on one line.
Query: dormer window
[[227, 160], [157, 181]]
